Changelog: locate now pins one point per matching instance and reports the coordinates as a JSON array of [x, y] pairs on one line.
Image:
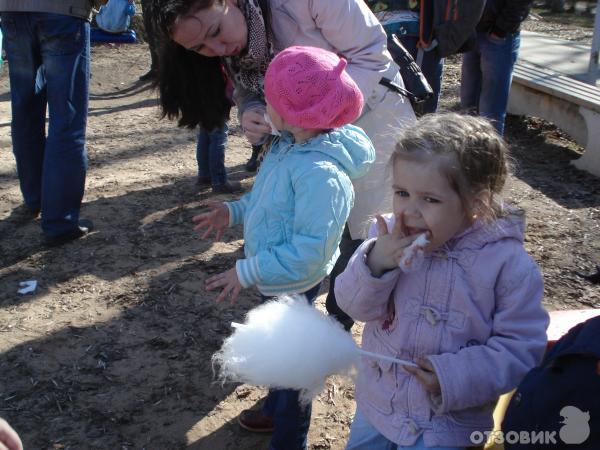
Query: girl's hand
[[389, 247], [228, 281], [254, 125], [217, 219], [426, 375]]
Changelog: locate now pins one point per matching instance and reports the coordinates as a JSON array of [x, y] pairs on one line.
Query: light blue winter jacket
[[114, 17], [295, 214]]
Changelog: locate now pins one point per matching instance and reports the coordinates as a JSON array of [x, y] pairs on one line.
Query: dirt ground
[[113, 349]]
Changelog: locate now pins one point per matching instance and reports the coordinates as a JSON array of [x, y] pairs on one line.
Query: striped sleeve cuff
[[236, 213], [247, 271]]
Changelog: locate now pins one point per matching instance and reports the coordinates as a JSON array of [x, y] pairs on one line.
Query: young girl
[[294, 216], [468, 312]]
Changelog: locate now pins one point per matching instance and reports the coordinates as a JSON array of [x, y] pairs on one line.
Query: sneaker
[[85, 227], [229, 187], [255, 421]]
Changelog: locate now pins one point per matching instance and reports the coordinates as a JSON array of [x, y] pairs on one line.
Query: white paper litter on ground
[[413, 255], [287, 343], [27, 287]]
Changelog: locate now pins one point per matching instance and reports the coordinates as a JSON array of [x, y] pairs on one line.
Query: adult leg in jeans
[[487, 74], [53, 65], [347, 248], [498, 57], [66, 58], [28, 102], [470, 80], [290, 419]]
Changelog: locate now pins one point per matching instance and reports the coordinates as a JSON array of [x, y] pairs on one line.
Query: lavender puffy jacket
[[474, 310]]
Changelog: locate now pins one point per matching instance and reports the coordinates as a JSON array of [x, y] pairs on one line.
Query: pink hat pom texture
[[309, 88]]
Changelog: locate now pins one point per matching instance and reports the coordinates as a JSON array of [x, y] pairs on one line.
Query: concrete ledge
[[572, 105]]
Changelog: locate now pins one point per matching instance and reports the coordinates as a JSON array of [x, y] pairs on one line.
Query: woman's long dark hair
[[191, 86]]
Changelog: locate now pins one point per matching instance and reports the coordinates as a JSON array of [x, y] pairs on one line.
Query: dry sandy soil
[[113, 349]]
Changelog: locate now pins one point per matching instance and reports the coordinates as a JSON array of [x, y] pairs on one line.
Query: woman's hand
[[217, 219], [9, 439], [389, 247], [426, 375], [228, 281], [254, 125]]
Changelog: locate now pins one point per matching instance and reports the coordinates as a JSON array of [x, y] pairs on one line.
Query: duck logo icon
[[575, 429]]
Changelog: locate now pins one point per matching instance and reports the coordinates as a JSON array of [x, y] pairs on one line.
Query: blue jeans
[[432, 67], [291, 421], [49, 66], [486, 76], [210, 154], [364, 436]]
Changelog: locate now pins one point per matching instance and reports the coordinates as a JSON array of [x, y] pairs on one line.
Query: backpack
[[558, 403], [114, 17], [449, 25]]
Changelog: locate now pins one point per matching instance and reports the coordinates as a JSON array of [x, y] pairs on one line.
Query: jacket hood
[[511, 226], [348, 145]]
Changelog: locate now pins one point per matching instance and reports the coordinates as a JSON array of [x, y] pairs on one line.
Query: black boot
[[252, 163]]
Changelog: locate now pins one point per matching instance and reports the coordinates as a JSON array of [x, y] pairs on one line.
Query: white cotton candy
[[413, 255], [287, 344], [274, 130]]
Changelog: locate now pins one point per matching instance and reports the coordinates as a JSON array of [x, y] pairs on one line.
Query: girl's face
[[427, 202], [220, 30]]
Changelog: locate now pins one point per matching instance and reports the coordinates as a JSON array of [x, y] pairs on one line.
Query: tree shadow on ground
[[543, 158], [99, 111], [139, 230], [136, 88], [140, 376], [142, 379]]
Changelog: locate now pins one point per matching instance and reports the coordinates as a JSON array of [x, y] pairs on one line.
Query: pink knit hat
[[309, 88]]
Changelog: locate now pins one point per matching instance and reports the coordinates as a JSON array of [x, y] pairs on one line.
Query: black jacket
[[568, 377], [504, 16]]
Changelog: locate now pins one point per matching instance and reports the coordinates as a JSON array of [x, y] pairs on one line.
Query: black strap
[[394, 87]]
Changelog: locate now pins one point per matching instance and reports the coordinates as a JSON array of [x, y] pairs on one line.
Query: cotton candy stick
[[402, 362], [289, 344]]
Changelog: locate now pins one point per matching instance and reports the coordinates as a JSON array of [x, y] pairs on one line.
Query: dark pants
[[210, 154], [432, 67], [291, 420], [347, 248], [150, 35], [486, 75], [49, 69]]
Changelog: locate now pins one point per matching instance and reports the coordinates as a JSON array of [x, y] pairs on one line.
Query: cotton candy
[[413, 256], [287, 343]]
